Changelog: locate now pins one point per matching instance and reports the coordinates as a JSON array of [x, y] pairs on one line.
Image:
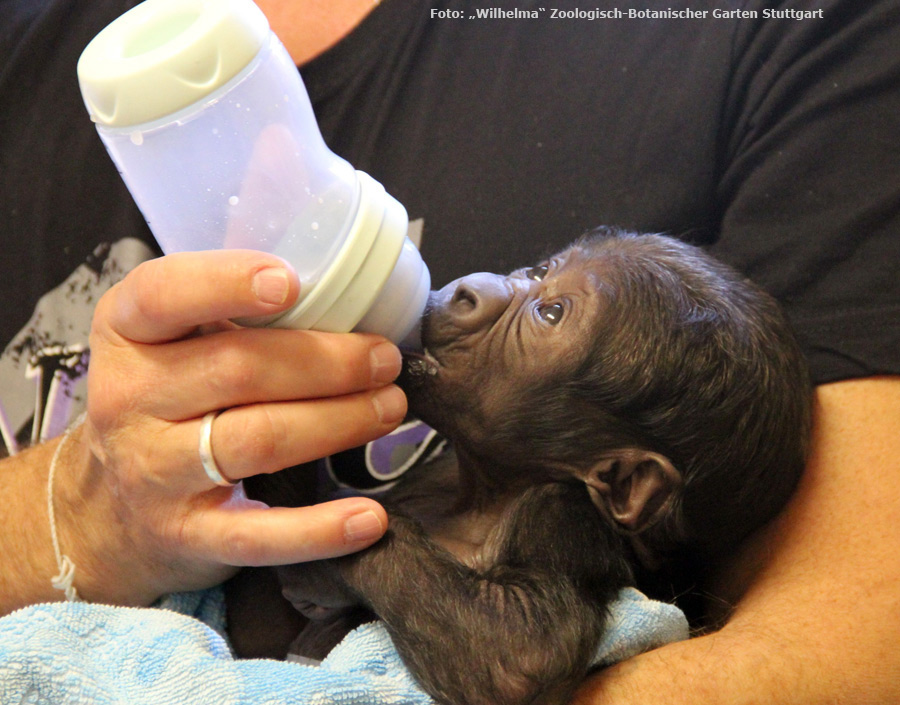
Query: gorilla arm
[[818, 618], [523, 628]]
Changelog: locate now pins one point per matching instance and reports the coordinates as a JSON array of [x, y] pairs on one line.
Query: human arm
[[818, 621], [135, 511]]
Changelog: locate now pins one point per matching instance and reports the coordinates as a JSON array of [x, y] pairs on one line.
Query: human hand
[[155, 522]]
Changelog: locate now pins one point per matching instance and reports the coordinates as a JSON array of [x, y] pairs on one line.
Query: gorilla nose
[[478, 300]]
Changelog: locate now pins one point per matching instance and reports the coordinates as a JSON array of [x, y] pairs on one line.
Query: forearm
[[468, 618], [819, 620], [28, 560], [479, 611], [89, 531]]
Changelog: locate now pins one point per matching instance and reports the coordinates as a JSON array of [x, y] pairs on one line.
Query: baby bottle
[[207, 119]]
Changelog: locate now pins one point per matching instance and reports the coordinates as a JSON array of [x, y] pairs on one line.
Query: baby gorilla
[[626, 407]]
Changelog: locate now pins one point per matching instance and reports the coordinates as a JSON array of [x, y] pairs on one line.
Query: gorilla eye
[[537, 273], [551, 314]]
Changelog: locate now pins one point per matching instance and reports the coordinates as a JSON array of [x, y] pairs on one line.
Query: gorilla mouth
[[420, 369], [420, 364]]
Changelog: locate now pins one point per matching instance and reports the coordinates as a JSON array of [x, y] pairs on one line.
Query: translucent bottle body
[[244, 168], [207, 118]]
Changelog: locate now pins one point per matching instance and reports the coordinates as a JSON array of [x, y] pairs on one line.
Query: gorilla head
[[669, 384]]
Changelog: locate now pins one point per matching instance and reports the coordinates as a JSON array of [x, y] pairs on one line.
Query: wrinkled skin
[[496, 334]]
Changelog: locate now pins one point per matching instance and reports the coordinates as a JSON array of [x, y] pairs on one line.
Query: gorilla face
[[488, 337]]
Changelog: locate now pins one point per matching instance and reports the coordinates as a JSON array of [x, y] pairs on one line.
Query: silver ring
[[206, 452]]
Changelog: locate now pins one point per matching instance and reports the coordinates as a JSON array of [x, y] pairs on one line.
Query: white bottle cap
[[164, 55], [377, 283]]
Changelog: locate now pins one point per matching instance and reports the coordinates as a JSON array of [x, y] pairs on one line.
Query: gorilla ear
[[633, 486]]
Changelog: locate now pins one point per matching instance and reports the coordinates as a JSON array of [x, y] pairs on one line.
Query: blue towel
[[64, 653]]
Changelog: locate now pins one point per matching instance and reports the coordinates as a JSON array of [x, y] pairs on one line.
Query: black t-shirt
[[771, 140]]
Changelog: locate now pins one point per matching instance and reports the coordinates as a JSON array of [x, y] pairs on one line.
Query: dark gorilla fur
[[675, 425], [692, 361]]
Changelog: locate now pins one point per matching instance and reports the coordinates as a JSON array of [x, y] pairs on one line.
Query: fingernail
[[390, 404], [271, 285], [386, 361], [363, 527]]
